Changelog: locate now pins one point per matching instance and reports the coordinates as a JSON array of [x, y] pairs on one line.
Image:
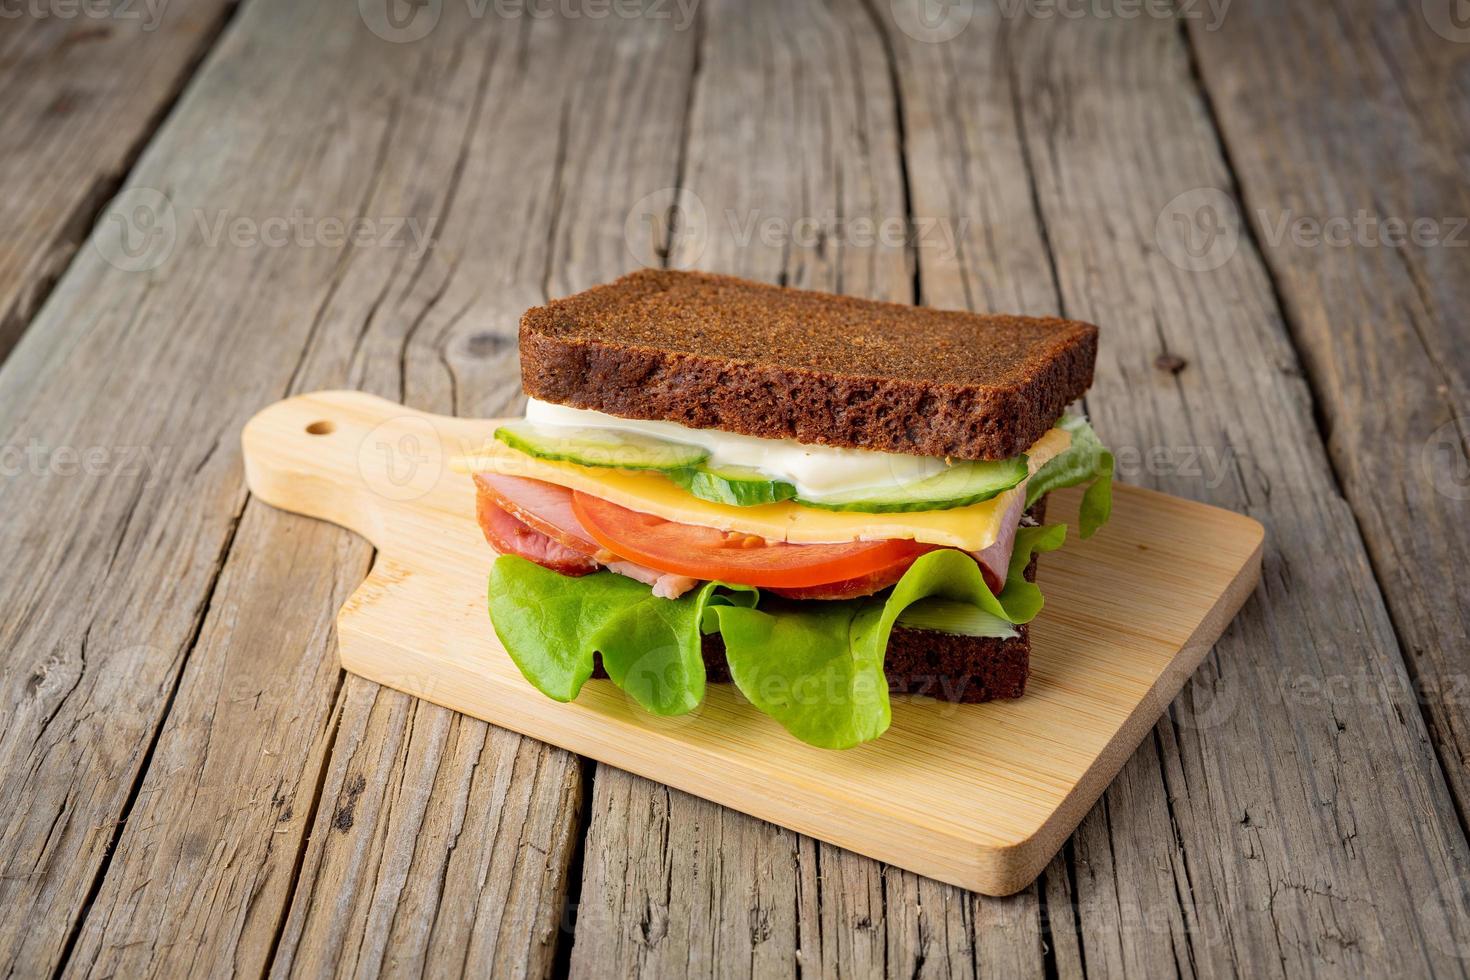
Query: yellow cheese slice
[[971, 528]]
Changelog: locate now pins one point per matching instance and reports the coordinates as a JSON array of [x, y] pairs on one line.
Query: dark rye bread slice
[[715, 352], [963, 669]]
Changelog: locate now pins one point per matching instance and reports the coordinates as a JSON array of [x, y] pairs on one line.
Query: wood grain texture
[[791, 136], [976, 795], [1258, 832], [204, 869], [1374, 135], [69, 130], [543, 154], [113, 568], [1164, 875]]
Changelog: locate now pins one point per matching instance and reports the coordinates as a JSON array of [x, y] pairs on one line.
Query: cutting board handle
[[357, 460]]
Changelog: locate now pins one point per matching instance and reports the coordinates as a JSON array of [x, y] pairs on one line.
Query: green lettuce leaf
[[1087, 460], [651, 649], [1020, 600], [552, 624], [812, 667]]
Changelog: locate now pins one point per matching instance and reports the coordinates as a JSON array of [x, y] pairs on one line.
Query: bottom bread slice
[[943, 666]]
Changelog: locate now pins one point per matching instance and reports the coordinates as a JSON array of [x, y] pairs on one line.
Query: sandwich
[[823, 500]]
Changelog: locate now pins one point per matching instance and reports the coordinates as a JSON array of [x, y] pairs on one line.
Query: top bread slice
[[716, 352]]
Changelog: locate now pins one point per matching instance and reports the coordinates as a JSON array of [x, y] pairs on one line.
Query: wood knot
[[1172, 363]]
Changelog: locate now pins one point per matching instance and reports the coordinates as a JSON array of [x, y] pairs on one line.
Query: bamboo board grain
[[977, 795]]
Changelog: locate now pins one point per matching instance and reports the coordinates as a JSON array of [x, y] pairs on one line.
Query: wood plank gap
[[1319, 418], [1069, 855], [74, 230], [1043, 913], [1179, 897], [681, 160], [1018, 110], [311, 812], [566, 937], [64, 960], [900, 126], [1248, 229]]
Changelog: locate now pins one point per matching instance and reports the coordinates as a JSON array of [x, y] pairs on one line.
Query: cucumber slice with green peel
[[734, 485], [959, 485], [960, 618], [612, 448], [688, 466]]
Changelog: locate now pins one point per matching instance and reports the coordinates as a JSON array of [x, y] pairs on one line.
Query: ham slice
[[544, 506], [996, 559], [665, 586], [535, 520], [509, 535]]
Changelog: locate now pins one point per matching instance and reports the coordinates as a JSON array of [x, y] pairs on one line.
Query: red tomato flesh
[[851, 588], [729, 556]]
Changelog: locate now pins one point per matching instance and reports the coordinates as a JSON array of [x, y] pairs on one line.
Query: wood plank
[[1260, 833], [200, 872], [1113, 921], [137, 537], [69, 131], [555, 156], [793, 118], [232, 761], [1363, 137]]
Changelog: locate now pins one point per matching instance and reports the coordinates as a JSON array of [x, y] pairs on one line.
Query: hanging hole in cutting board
[[323, 427]]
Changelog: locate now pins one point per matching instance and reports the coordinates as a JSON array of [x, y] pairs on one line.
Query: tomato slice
[[707, 553], [850, 588]]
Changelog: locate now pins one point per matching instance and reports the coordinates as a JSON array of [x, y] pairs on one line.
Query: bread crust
[[717, 352], [943, 666]]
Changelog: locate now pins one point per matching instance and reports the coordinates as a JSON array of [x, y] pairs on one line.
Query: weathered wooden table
[[206, 207]]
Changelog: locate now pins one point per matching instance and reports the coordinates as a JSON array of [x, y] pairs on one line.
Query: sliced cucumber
[[948, 616], [600, 447], [959, 485], [735, 485], [687, 465]]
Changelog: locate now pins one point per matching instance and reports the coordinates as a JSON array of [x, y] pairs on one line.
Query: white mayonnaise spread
[[816, 471]]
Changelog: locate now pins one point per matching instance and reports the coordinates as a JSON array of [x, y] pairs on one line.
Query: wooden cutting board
[[978, 795]]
